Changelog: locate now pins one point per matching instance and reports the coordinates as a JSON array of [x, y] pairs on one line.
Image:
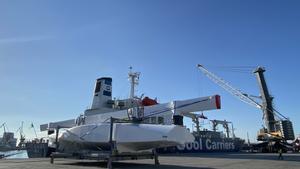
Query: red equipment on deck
[[148, 101]]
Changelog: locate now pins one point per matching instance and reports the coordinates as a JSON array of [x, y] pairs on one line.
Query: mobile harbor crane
[[279, 129]]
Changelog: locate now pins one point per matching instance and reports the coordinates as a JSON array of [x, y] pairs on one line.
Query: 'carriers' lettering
[[207, 145]]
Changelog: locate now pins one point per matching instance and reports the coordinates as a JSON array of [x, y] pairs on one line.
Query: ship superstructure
[[7, 141]]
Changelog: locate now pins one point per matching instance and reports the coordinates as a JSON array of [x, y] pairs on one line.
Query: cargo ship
[[7, 145], [8, 142], [148, 112], [210, 141]]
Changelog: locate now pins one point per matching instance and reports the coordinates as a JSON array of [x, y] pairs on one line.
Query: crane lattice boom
[[225, 85]]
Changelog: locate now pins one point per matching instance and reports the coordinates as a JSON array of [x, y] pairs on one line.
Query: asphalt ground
[[183, 161]]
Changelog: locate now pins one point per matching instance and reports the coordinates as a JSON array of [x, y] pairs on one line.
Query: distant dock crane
[[276, 130]]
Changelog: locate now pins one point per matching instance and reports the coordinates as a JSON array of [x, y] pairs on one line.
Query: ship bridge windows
[[108, 81], [154, 120], [106, 93], [98, 87], [160, 120]]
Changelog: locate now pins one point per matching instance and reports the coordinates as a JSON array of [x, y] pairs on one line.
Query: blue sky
[[51, 52]]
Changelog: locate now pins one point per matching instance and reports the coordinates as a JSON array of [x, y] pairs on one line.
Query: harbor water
[[16, 154]]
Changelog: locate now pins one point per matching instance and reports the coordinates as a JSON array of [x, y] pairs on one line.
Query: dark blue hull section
[[206, 145]]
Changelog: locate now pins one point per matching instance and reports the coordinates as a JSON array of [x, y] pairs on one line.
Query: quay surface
[[186, 161]]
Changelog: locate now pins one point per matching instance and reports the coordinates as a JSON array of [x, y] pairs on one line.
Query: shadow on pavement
[[125, 165], [250, 156]]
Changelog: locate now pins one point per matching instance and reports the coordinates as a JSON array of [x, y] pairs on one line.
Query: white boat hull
[[129, 137]]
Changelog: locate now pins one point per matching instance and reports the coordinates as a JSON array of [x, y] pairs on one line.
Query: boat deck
[[190, 161]]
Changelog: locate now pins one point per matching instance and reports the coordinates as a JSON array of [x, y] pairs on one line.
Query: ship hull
[[37, 150], [202, 145]]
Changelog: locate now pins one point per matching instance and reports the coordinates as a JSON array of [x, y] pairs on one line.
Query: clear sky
[[51, 52]]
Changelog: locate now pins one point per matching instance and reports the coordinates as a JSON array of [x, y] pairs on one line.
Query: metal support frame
[[109, 156], [112, 145], [156, 161], [56, 137]]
